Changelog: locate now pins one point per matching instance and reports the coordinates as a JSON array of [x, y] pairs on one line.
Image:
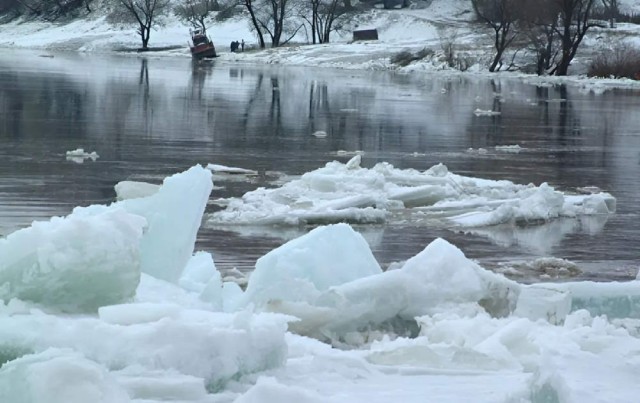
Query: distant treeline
[[616, 15]]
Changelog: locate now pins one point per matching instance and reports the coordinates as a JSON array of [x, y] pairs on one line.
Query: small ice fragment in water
[[79, 155], [223, 169], [481, 112], [509, 148]]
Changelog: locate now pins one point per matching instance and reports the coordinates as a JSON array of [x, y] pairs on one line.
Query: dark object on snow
[[365, 35], [202, 45], [234, 46]]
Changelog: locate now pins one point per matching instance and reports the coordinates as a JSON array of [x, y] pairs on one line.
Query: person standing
[[242, 45]]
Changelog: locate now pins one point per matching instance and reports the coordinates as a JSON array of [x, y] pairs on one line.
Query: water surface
[[151, 117]]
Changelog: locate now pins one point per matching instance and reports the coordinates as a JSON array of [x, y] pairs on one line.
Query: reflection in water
[[148, 118], [541, 239], [144, 90], [275, 116]]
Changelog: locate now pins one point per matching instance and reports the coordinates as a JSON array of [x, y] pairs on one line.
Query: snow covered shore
[[399, 30]]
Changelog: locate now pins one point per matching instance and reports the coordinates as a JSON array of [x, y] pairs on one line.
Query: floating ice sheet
[[351, 193], [79, 155]]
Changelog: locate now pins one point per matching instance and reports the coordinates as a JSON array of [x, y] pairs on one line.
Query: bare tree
[[448, 42], [8, 5], [196, 12], [275, 18], [611, 10], [556, 29], [276, 21], [144, 12], [313, 22], [539, 24], [324, 15], [501, 16], [574, 17], [251, 9]]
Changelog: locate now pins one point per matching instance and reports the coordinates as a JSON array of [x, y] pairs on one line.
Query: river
[[148, 118]]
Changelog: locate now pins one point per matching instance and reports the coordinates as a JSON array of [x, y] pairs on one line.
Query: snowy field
[[112, 304]]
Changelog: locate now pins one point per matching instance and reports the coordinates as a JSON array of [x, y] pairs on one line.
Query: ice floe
[[349, 192], [79, 155], [119, 308]]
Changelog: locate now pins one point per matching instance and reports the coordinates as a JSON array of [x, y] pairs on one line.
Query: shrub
[[620, 61], [463, 62], [405, 57], [402, 58], [424, 53]]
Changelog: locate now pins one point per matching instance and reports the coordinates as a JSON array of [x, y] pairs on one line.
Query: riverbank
[[419, 33]]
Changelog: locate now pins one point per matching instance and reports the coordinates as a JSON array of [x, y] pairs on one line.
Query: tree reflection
[[568, 122], [253, 99], [319, 111], [275, 113], [12, 105], [201, 70], [33, 103], [145, 93]]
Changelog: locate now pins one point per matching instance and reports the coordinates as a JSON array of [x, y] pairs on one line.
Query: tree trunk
[[144, 32], [314, 20], [563, 66], [254, 21], [499, 44]]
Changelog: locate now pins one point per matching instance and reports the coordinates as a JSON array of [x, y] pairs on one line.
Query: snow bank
[[348, 192]]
